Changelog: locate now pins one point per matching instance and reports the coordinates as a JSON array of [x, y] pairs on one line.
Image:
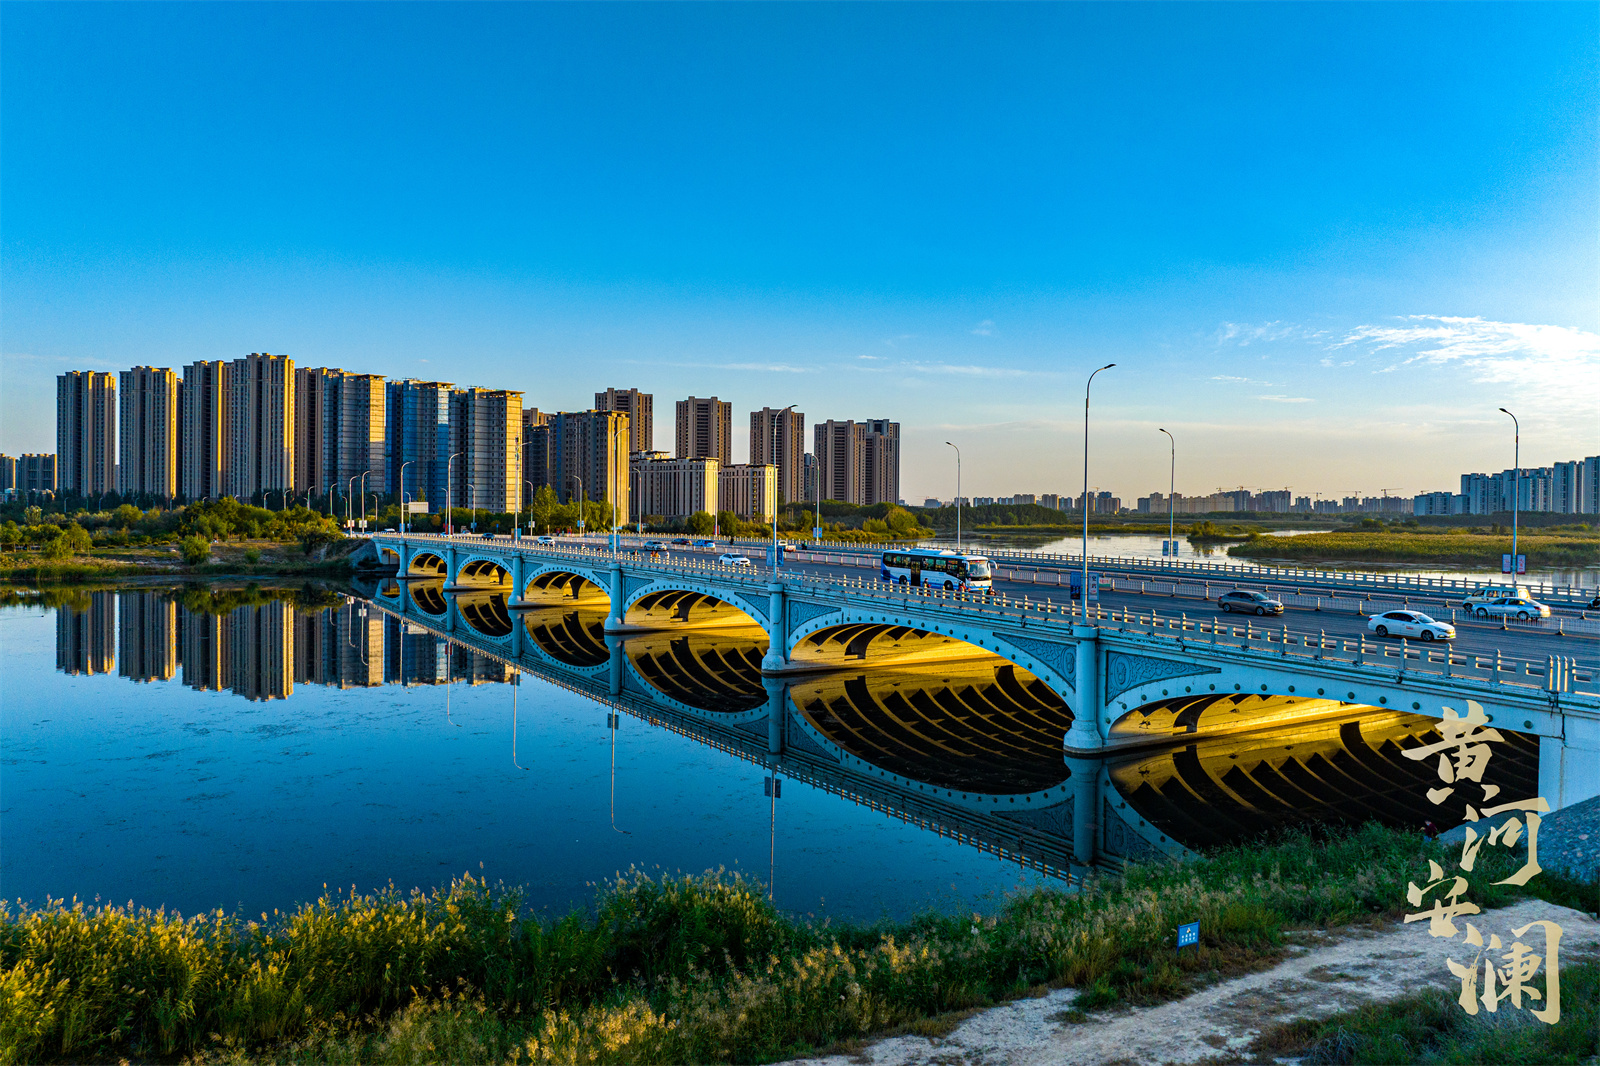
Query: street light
[[528, 483], [582, 498], [1083, 590], [1170, 485], [958, 497], [774, 438], [1516, 485], [349, 487], [449, 495], [404, 501]]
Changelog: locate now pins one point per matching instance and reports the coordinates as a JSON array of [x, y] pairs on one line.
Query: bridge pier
[[777, 629], [518, 581], [1085, 807], [1088, 732], [614, 612], [453, 566]]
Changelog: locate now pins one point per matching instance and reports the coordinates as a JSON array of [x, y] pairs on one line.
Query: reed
[[662, 969]]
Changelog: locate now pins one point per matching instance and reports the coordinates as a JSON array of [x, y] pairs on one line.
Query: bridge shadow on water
[[959, 742]]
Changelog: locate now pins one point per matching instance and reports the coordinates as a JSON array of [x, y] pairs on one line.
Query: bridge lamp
[[784, 411], [1083, 590], [1516, 485], [1171, 485], [958, 497], [404, 525]]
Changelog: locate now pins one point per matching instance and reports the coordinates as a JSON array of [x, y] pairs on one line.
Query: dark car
[[681, 540], [1248, 602]]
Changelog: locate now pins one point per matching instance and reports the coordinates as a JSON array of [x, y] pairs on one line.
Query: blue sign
[[1188, 935]]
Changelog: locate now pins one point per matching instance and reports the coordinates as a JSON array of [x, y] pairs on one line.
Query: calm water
[[175, 758], [242, 750]]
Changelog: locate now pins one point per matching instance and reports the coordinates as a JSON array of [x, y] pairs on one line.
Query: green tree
[[543, 507], [728, 523], [196, 550], [126, 515], [699, 523], [901, 522], [33, 515]]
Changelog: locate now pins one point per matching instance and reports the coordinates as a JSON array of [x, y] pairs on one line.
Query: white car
[[544, 540], [1413, 624], [1489, 593], [1519, 607], [729, 559]]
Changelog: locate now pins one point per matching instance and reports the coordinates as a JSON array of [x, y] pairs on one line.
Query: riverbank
[[675, 969], [1544, 550], [241, 559]]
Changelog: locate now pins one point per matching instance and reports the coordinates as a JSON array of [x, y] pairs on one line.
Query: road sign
[[417, 507], [1505, 563], [774, 787], [1075, 584], [1189, 935]]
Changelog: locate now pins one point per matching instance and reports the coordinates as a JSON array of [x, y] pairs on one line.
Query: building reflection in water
[[258, 649], [969, 748]]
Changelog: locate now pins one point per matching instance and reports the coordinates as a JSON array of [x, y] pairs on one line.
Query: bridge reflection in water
[[967, 746]]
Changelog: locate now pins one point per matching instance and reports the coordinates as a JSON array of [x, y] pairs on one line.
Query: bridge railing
[[1562, 671]]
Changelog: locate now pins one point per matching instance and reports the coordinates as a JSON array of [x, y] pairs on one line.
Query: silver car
[[1521, 608]]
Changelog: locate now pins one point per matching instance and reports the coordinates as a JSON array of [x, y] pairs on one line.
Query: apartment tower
[[640, 409], [260, 421], [705, 429], [661, 486], [591, 446], [486, 426], [203, 430], [419, 442], [339, 431], [86, 432], [147, 402], [778, 438]]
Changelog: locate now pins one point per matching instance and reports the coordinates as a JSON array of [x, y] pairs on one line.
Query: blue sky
[[1323, 243]]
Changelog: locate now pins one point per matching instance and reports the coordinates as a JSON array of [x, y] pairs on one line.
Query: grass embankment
[[249, 558], [1542, 550], [688, 969], [1431, 1027]]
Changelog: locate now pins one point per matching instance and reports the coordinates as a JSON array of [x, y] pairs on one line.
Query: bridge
[[1111, 689]]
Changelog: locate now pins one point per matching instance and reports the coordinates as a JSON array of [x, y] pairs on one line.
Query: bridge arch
[[1215, 768], [571, 633], [428, 597], [480, 570], [551, 586], [427, 564], [688, 605], [485, 611], [712, 670]]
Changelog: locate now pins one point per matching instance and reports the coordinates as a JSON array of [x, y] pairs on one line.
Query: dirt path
[[1356, 967]]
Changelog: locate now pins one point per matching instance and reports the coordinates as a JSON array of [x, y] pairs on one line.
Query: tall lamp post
[[405, 503], [449, 494], [774, 438], [958, 497], [1171, 484], [1083, 590], [529, 484], [1516, 485], [582, 499]]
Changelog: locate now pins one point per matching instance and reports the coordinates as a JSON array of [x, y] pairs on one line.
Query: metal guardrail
[[1358, 653]]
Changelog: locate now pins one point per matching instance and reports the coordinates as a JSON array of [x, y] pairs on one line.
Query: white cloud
[[1232, 379], [984, 328], [1556, 366], [1243, 334], [1286, 399], [971, 371]]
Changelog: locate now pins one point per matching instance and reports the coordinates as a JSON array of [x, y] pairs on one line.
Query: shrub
[[252, 555], [196, 550]]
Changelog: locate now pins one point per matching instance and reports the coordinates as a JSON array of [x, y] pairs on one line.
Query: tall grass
[[1575, 549], [667, 969]]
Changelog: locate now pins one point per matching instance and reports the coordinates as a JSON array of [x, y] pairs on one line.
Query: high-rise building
[[36, 473], [661, 486], [340, 422], [749, 491], [705, 429], [147, 402], [203, 430], [486, 427], [883, 461], [590, 447], [86, 432], [8, 475], [419, 442], [1589, 485], [640, 409], [778, 437], [207, 654], [841, 451], [260, 426]]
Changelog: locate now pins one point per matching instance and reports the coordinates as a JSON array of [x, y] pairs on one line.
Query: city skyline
[[1332, 291]]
